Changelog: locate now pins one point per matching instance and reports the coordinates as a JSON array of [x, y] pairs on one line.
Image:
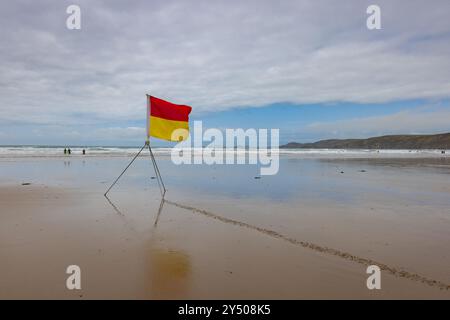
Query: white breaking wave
[[32, 151], [45, 151]]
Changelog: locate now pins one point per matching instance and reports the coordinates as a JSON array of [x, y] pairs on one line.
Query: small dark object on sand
[[26, 183], [362, 170], [342, 171], [152, 178], [443, 151], [257, 178]]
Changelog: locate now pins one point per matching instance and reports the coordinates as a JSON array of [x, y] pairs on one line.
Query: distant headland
[[434, 141]]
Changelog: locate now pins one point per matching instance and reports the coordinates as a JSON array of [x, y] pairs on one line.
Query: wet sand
[[308, 232]]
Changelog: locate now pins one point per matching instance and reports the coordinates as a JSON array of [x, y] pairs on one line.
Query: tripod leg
[[158, 174], [124, 170]]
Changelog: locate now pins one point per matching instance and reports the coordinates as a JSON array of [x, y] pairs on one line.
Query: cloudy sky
[[310, 68]]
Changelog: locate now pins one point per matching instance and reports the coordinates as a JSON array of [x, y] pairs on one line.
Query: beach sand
[[308, 232]]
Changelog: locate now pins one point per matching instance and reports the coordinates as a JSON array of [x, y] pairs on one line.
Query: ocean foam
[[47, 151]]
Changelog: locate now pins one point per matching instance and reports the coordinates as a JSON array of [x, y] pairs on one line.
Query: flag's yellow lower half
[[169, 129]]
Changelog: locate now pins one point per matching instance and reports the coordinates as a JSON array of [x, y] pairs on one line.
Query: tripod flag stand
[[167, 121]]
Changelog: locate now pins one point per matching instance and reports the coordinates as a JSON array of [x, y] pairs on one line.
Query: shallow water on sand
[[229, 236]]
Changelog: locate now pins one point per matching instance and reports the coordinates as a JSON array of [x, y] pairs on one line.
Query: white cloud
[[216, 55], [422, 121], [118, 133]]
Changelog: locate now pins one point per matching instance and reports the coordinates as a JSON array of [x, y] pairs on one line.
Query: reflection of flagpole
[[161, 185], [159, 213]]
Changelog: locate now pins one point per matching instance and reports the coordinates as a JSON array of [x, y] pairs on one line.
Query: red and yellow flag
[[166, 120]]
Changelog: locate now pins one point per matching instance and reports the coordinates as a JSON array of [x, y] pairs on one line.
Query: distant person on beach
[[69, 151], [84, 152], [65, 151]]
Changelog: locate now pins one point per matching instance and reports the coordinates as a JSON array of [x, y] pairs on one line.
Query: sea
[[12, 151]]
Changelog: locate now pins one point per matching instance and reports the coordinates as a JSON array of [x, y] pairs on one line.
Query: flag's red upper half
[[169, 111]]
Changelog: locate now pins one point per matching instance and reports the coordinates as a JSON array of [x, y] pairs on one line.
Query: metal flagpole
[[125, 169], [161, 185]]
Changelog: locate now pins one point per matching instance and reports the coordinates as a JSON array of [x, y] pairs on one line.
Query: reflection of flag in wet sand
[[170, 273]]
